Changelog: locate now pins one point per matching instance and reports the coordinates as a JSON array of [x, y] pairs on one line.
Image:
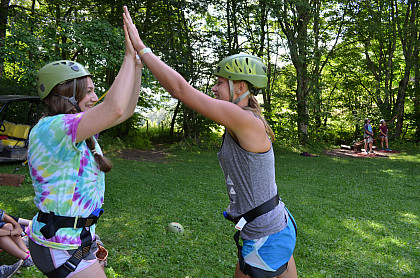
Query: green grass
[[356, 217]]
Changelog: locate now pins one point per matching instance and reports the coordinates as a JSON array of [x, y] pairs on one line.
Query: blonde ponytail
[[254, 106]]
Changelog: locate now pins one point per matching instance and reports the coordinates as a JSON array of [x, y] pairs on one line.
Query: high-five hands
[[132, 31]]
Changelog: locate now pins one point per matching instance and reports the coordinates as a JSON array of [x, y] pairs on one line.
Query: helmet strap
[[72, 99], [231, 90], [241, 97], [236, 101]]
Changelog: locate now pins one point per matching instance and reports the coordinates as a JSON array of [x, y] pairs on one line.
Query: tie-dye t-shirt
[[65, 176]]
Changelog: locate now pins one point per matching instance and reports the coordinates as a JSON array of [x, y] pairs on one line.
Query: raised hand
[[129, 49], [132, 31]]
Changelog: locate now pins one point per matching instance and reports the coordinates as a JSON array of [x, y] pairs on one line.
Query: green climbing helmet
[[56, 72], [243, 67]]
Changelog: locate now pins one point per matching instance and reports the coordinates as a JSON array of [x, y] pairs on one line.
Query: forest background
[[330, 64]]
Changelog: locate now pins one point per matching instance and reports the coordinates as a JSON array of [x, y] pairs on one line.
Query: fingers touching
[[132, 30]]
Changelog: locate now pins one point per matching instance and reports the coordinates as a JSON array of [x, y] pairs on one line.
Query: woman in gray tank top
[[246, 157]]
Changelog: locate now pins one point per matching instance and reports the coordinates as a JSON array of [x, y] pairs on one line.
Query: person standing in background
[[383, 133], [368, 136]]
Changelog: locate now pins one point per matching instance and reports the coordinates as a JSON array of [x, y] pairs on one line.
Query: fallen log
[[12, 179]]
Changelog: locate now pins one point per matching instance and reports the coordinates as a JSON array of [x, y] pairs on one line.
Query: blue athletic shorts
[[271, 252]]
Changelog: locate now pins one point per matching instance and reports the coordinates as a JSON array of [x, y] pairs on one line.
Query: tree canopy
[[330, 63]]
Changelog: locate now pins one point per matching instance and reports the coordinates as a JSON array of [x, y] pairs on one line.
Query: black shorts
[[47, 259]]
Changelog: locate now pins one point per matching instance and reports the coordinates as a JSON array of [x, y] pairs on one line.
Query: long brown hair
[[57, 105]]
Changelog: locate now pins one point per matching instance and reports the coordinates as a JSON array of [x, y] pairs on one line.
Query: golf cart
[[18, 114]]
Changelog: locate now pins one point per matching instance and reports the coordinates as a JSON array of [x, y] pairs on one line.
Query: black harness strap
[[53, 223], [261, 209], [71, 264], [250, 216]]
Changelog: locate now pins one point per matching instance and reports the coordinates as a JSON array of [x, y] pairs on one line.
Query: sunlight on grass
[[376, 226], [381, 245], [355, 218], [359, 228], [404, 266], [407, 157], [410, 218], [25, 199], [110, 272], [392, 171], [389, 241], [378, 234]]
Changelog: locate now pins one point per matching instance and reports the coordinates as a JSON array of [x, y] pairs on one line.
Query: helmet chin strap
[[241, 97], [72, 99], [231, 90]]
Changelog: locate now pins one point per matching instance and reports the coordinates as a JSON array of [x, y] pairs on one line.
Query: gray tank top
[[250, 181]]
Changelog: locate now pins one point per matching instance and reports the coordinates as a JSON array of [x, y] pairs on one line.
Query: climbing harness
[[55, 222], [242, 220]]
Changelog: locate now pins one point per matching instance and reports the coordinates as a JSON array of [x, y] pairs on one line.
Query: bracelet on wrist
[[144, 51]]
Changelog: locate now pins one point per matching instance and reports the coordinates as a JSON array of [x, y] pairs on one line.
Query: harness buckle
[[241, 223], [75, 222], [69, 266], [89, 222]]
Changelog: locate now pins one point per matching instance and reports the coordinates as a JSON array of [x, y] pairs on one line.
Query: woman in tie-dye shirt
[[66, 164]]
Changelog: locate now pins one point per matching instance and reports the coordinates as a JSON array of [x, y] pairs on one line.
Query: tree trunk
[[399, 105], [174, 118], [317, 100], [263, 37], [417, 95], [409, 34], [232, 26], [293, 19], [302, 103]]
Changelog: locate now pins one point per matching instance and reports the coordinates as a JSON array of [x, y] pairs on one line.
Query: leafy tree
[[328, 62], [416, 101], [409, 34], [388, 38], [4, 8], [294, 18]]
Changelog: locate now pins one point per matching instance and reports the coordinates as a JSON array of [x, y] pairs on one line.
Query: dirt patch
[[356, 154], [160, 155], [143, 155]]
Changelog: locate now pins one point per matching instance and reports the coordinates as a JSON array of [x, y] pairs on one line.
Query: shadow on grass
[[355, 217]]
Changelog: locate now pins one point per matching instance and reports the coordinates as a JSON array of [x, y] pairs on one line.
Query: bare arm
[[248, 129], [134, 96], [17, 229], [225, 113], [117, 105]]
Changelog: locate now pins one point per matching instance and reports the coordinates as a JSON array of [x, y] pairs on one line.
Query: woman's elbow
[[175, 93], [179, 91], [117, 112], [128, 114]]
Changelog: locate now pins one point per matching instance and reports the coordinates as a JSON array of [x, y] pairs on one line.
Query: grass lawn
[[356, 217]]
